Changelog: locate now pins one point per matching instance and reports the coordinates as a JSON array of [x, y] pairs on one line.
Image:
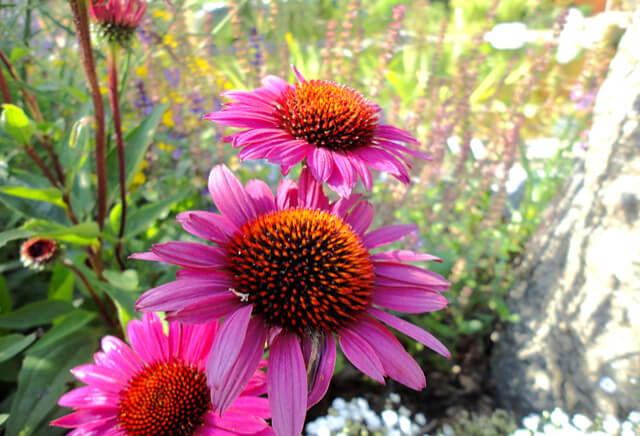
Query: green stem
[[115, 111]]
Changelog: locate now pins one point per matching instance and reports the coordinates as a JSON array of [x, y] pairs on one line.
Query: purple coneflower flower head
[[158, 386], [36, 253], [294, 270], [330, 125], [118, 19]]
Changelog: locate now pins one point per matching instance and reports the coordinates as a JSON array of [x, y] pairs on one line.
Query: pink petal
[[411, 330], [361, 354], [244, 368], [327, 361], [207, 310], [193, 342], [387, 235], [362, 169], [298, 75], [287, 385], [275, 84], [251, 405], [191, 254], [146, 256], [404, 256], [411, 274], [393, 133], [239, 422], [89, 396], [381, 160], [360, 217], [397, 363], [310, 192], [207, 225], [408, 300], [84, 417], [182, 293], [98, 377], [287, 195], [262, 196], [321, 164], [343, 205], [229, 196], [123, 357]]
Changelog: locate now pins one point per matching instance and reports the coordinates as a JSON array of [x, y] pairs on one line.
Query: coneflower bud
[[118, 19], [36, 253]]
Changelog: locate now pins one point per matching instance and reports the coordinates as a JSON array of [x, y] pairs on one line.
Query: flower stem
[[115, 110], [4, 88], [81, 22]]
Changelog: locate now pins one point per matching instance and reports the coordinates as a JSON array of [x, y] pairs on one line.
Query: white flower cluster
[[558, 423], [356, 417]]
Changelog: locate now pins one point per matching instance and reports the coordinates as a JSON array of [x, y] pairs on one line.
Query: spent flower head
[[36, 253]]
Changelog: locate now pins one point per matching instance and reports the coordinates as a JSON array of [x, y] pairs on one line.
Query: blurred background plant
[[498, 92]]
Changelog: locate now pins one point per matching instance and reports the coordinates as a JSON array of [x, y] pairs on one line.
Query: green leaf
[[13, 234], [69, 324], [6, 302], [44, 377], [136, 144], [83, 234], [34, 314], [61, 284], [12, 344], [50, 195], [141, 219], [121, 288], [16, 123]]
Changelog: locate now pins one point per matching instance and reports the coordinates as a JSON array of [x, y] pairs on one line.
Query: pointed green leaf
[[141, 219], [136, 144], [13, 234], [61, 284], [34, 314], [50, 195], [6, 302], [16, 123], [12, 344]]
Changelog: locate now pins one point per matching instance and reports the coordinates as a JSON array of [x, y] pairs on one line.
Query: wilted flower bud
[[35, 253]]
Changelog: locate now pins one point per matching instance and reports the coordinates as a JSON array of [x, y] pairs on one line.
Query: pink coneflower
[[35, 253], [158, 387], [330, 125], [118, 19], [293, 271]]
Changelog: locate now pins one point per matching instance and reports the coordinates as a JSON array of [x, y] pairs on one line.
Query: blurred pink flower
[[118, 19], [330, 125], [293, 270], [158, 386]]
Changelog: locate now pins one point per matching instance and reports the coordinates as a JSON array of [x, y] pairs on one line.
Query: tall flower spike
[[118, 19], [332, 126], [295, 270], [158, 387]]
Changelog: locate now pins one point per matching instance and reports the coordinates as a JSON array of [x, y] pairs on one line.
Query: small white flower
[[390, 418], [559, 418], [522, 432], [610, 424], [507, 36], [394, 397], [581, 422], [532, 422], [634, 417], [420, 419], [372, 420], [404, 424], [447, 430], [338, 404]]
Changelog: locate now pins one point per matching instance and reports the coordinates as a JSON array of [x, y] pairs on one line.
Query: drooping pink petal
[[310, 193], [395, 134], [343, 205], [411, 274], [404, 256], [146, 256], [238, 422], [298, 75], [320, 384], [411, 330], [361, 354], [387, 235], [408, 300], [181, 293], [244, 368], [320, 164], [229, 196], [227, 345], [397, 363], [362, 170], [287, 385], [191, 254]]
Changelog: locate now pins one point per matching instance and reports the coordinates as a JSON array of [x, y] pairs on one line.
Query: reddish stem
[[81, 22], [4, 88]]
